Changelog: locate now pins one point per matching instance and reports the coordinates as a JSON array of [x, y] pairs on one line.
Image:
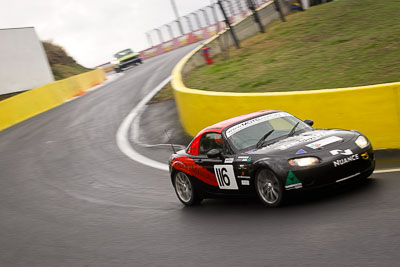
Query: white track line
[[135, 132], [387, 170], [125, 146], [123, 130]]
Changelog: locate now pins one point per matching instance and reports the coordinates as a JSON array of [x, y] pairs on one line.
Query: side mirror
[[214, 153], [309, 122]]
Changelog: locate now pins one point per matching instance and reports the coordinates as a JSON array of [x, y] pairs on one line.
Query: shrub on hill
[[62, 65]]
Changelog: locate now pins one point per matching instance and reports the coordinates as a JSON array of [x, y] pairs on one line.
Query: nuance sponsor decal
[[340, 162], [241, 126]]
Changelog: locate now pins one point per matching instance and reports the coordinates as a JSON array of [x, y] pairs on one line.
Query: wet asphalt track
[[69, 197]]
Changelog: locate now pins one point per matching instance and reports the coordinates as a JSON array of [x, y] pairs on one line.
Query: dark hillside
[[62, 65]]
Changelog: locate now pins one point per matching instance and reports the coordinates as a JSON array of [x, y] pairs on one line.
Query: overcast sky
[[93, 30]]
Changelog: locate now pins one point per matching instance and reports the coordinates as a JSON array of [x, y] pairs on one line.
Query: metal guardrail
[[196, 26]]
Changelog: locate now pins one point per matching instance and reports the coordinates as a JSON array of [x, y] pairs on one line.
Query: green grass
[[339, 44], [164, 94], [5, 96], [62, 71]]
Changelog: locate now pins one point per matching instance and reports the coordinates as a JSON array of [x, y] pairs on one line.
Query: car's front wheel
[[269, 188], [185, 189]]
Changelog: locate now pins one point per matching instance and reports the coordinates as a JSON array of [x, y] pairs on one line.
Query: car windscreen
[[123, 53], [267, 129]]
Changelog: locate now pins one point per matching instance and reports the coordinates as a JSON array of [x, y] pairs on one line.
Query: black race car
[[267, 153]]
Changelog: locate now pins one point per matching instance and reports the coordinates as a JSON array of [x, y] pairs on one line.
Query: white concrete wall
[[23, 61]]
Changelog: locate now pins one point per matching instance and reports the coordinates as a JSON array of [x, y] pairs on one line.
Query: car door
[[222, 166]]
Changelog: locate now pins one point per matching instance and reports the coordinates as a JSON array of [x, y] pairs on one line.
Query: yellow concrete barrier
[[373, 110], [28, 104]]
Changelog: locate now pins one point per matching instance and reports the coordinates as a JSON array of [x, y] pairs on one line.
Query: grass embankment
[[339, 44], [62, 65]]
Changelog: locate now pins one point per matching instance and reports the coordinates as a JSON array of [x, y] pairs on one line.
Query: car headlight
[[115, 61], [302, 162], [362, 142]]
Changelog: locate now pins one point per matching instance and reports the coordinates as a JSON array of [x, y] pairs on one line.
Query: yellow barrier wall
[[28, 104], [373, 110]]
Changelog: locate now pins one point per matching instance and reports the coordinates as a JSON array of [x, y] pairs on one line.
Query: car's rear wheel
[[185, 189], [269, 188]]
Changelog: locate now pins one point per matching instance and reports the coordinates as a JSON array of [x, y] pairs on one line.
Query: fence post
[[160, 35], [215, 16], [177, 16], [278, 8], [205, 16], [170, 31], [149, 39], [189, 23], [252, 7], [228, 24], [197, 20]]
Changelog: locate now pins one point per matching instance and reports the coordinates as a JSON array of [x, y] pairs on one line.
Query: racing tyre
[[269, 188], [367, 175], [185, 189]]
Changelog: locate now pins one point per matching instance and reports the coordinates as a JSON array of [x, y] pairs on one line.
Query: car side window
[[210, 141]]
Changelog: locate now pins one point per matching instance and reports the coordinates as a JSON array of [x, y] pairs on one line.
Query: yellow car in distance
[[125, 58]]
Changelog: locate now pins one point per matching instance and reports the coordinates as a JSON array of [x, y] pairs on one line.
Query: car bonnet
[[308, 142]]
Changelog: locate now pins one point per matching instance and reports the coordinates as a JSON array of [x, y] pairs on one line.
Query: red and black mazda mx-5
[[267, 153]]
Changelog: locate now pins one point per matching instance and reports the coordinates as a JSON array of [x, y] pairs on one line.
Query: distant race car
[[124, 59], [267, 153]]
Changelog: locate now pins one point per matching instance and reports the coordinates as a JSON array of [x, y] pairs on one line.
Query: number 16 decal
[[225, 177]]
